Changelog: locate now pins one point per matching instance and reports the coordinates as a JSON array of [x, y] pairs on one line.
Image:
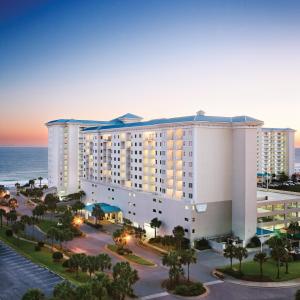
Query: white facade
[[198, 172], [65, 154], [275, 151]]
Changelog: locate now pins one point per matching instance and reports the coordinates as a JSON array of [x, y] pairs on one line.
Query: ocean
[[19, 164]]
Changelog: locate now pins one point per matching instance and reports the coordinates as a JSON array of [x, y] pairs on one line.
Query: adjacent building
[[65, 153], [275, 151]]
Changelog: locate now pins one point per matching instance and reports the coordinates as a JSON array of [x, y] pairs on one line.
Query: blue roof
[[104, 206], [193, 118], [91, 122], [261, 231]]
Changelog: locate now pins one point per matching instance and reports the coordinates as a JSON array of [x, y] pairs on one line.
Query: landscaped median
[[251, 271], [42, 257], [131, 257]]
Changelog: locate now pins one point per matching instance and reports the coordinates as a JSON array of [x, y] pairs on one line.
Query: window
[[186, 219], [154, 210]]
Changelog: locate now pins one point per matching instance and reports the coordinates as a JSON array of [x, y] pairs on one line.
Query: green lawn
[[132, 257], [43, 257], [44, 225], [251, 271]]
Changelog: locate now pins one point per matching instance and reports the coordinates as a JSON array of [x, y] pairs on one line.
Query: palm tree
[[13, 203], [17, 227], [97, 212], [11, 216], [240, 254], [261, 258], [178, 233], [34, 294], [278, 251], [287, 258], [124, 278], [81, 194], [155, 223], [64, 290], [75, 262], [294, 228], [188, 257], [40, 180], [31, 183], [119, 237], [52, 234], [2, 214], [229, 252], [104, 261], [92, 264], [173, 261]]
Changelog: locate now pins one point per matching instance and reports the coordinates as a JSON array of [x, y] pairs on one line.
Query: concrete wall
[[244, 182]]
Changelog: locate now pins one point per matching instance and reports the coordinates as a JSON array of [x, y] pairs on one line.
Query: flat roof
[[276, 196]]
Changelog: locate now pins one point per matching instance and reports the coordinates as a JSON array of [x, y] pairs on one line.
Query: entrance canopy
[[104, 206]]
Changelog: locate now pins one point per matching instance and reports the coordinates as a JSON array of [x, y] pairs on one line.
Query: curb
[[268, 284]]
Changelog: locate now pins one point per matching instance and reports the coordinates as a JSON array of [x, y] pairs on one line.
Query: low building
[[275, 210]]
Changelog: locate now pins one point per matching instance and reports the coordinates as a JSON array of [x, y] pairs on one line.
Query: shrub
[[66, 263], [9, 232], [124, 251], [57, 256], [202, 244], [254, 242], [297, 296], [41, 244], [192, 289], [37, 247]]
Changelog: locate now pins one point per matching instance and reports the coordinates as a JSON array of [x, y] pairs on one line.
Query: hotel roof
[[277, 129], [193, 118], [87, 122]]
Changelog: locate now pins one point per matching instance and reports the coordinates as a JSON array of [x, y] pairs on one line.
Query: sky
[[101, 59]]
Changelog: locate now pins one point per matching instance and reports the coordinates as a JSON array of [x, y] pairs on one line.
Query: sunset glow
[[101, 59]]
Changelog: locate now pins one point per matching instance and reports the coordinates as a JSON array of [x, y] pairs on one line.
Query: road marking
[[213, 282], [153, 296]]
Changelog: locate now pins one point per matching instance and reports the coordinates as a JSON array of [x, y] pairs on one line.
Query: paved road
[[19, 274], [149, 285]]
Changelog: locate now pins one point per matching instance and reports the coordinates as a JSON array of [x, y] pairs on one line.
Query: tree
[[178, 233], [63, 235], [240, 254], [91, 264], [50, 201], [40, 180], [139, 233], [173, 261], [75, 262], [294, 228], [97, 212], [261, 258], [52, 234], [155, 223], [11, 216], [278, 251], [286, 259], [13, 203], [17, 185], [64, 290], [282, 177], [81, 194], [188, 257], [99, 286], [104, 261], [124, 278], [119, 237], [229, 252], [2, 214], [39, 210], [78, 205], [31, 183], [34, 294]]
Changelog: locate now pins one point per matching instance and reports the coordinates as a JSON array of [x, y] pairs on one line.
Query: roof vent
[[200, 113]]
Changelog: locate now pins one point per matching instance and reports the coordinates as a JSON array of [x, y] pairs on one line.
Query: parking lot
[[18, 274]]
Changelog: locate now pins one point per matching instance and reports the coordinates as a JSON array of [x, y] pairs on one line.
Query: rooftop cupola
[[200, 113], [130, 118]]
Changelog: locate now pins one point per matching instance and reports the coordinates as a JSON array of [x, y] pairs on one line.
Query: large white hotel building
[[197, 171]]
